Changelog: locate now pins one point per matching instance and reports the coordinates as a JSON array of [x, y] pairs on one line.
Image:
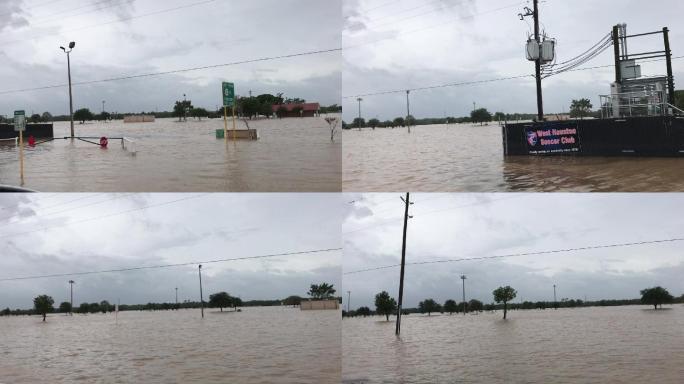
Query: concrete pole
[[463, 277], [403, 264], [71, 99], [537, 65], [201, 296], [71, 284]]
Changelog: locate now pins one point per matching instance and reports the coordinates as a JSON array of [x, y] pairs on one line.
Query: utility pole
[[555, 303], [359, 120], [103, 104], [201, 297], [176, 297], [348, 301], [463, 277], [668, 62], [537, 64], [403, 262], [408, 112], [71, 284]]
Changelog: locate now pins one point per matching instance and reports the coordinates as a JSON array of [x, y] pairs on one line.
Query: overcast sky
[[404, 44], [51, 234], [129, 37], [452, 226]]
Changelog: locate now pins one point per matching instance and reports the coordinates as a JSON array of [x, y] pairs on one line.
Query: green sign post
[[19, 121], [228, 94], [228, 90]]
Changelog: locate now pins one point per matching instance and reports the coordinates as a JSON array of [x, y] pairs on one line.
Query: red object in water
[[32, 141], [103, 142]]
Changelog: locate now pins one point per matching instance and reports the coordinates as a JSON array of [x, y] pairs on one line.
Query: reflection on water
[[610, 344], [291, 155], [469, 158], [258, 345]]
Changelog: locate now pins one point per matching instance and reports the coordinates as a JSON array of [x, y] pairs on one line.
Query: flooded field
[[469, 158], [292, 155], [258, 345], [600, 345]]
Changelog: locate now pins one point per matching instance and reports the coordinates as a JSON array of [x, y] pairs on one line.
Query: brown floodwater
[[469, 158], [257, 345], [291, 155], [630, 344]]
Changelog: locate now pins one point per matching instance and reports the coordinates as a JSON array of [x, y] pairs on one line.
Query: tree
[[281, 111], [181, 108], [83, 115], [399, 122], [104, 116], [373, 123], [84, 308], [46, 117], [580, 108], [450, 306], [65, 307], [94, 307], [268, 99], [292, 300], [429, 306], [384, 304], [220, 300], [43, 304], [498, 116], [480, 115], [35, 118], [504, 295], [410, 120], [237, 302], [105, 306], [359, 122], [656, 296], [199, 113], [363, 311], [475, 305], [322, 291]]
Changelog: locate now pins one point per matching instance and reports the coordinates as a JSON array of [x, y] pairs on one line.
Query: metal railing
[[637, 103]]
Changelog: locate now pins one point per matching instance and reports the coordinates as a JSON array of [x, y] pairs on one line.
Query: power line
[[618, 245], [102, 217], [438, 86], [446, 85], [169, 265], [261, 59], [113, 22]]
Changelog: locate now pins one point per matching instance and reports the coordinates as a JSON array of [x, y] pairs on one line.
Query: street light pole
[[71, 99], [71, 284], [359, 121], [463, 277]]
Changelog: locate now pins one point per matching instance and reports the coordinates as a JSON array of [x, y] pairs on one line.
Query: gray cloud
[[409, 44], [201, 35], [455, 226], [210, 227]]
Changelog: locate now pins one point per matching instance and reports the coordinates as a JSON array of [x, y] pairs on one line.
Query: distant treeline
[[105, 306], [473, 306], [85, 115], [479, 116]]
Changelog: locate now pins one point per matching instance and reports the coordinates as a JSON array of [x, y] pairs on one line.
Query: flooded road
[[292, 155], [599, 345], [257, 345], [469, 158]]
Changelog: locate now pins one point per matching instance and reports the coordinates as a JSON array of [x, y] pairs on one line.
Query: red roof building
[[296, 110]]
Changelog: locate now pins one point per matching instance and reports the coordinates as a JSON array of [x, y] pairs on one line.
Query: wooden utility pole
[[537, 64], [201, 296], [403, 262]]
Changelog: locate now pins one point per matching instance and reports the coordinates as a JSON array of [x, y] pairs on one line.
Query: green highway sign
[[228, 94], [19, 121]]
